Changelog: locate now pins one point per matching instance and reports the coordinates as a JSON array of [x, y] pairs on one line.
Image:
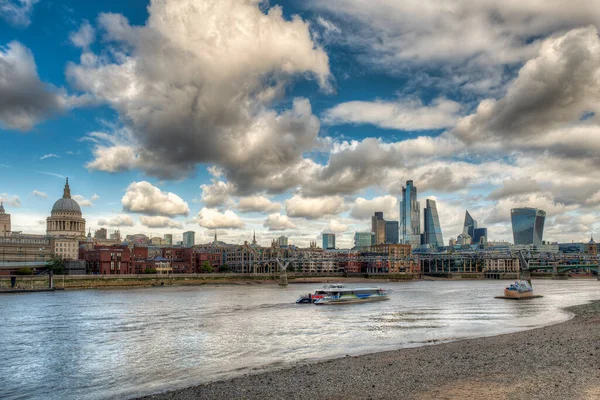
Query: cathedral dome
[[66, 203]]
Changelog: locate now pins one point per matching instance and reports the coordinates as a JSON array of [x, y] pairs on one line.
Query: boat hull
[[516, 294], [349, 300]]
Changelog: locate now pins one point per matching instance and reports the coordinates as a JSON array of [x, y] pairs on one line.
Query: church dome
[[66, 203]]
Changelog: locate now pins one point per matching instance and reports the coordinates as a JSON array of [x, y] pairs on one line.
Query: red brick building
[[108, 260]]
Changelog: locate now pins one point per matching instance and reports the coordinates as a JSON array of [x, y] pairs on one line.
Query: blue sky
[[298, 117]]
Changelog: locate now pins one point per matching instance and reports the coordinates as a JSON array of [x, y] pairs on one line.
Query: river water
[[100, 344]]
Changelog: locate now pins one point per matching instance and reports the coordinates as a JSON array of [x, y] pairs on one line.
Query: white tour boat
[[339, 294]]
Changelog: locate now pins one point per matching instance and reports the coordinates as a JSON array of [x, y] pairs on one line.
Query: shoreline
[[558, 361]]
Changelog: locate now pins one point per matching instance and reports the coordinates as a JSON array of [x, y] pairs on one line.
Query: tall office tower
[[391, 232], [528, 225], [378, 227], [480, 236], [329, 241], [189, 239], [470, 225], [168, 239], [282, 241], [100, 233], [363, 240], [433, 230], [410, 216]]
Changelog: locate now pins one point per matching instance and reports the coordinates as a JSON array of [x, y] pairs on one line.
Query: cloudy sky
[[301, 116]]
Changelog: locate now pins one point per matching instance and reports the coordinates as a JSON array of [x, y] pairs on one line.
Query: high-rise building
[[480, 236], [528, 225], [168, 239], [4, 222], [391, 232], [378, 227], [433, 230], [282, 241], [189, 238], [364, 240], [470, 225], [116, 235], [410, 216], [328, 241], [101, 233]]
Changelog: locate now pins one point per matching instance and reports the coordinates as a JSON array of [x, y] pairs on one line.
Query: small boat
[[310, 298], [352, 296], [519, 290]]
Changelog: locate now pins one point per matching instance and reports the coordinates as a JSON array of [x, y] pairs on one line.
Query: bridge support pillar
[[554, 272]]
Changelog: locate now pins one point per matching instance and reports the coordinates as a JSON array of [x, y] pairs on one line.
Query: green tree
[[224, 268], [150, 270], [56, 265], [24, 271], [206, 267]]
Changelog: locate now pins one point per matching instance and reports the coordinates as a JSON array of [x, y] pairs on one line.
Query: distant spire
[[2, 207], [215, 236], [67, 192], [254, 238]]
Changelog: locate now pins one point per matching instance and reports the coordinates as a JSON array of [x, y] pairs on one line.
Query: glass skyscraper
[[189, 239], [410, 216], [391, 232], [433, 230], [328, 241], [479, 236], [470, 225], [528, 225], [378, 227], [364, 239]]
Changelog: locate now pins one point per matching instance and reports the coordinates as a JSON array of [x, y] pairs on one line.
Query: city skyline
[[330, 139]]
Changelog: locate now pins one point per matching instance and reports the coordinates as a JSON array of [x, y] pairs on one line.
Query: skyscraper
[[528, 225], [168, 239], [410, 216], [189, 238], [364, 240], [329, 241], [378, 227], [470, 225], [433, 230], [480, 236], [391, 232]]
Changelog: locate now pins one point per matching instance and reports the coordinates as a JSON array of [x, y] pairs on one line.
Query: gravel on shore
[[560, 361]]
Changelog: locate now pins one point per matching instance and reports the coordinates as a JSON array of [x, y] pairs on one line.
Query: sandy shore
[[555, 362]]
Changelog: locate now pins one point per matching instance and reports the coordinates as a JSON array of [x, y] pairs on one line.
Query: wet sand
[[561, 361]]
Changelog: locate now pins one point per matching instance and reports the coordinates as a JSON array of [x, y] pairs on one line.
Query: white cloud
[[117, 221], [39, 194], [335, 226], [409, 115], [159, 222], [17, 12], [84, 36], [278, 222], [514, 187], [211, 218], [142, 197], [257, 204], [363, 209], [11, 200], [82, 201], [234, 60], [314, 207], [94, 197], [216, 194], [49, 156]]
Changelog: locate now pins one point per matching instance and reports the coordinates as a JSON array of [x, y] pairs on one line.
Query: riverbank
[[560, 361]]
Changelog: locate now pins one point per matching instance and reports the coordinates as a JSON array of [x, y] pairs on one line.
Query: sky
[[300, 117]]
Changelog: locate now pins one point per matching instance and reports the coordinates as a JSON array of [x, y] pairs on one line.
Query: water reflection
[[106, 344]]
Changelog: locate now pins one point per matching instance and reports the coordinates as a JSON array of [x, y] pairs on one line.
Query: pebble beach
[[560, 361]]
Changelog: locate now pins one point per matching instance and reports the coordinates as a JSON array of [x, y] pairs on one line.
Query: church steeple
[[215, 236], [67, 192], [2, 207], [254, 238]]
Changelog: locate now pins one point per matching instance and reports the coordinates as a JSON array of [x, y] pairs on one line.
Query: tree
[[206, 267], [56, 265], [224, 268], [24, 271], [150, 270]]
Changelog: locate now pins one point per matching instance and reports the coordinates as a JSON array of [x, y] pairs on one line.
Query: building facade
[[24, 251], [410, 216], [168, 239], [65, 218], [189, 238], [378, 227], [329, 241], [364, 239], [480, 236], [391, 232], [528, 225], [470, 225], [282, 241], [101, 234], [5, 228], [433, 231]]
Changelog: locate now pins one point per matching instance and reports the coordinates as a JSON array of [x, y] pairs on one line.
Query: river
[[101, 344]]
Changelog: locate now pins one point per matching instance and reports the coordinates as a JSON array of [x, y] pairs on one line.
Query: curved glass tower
[[528, 225], [433, 229]]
